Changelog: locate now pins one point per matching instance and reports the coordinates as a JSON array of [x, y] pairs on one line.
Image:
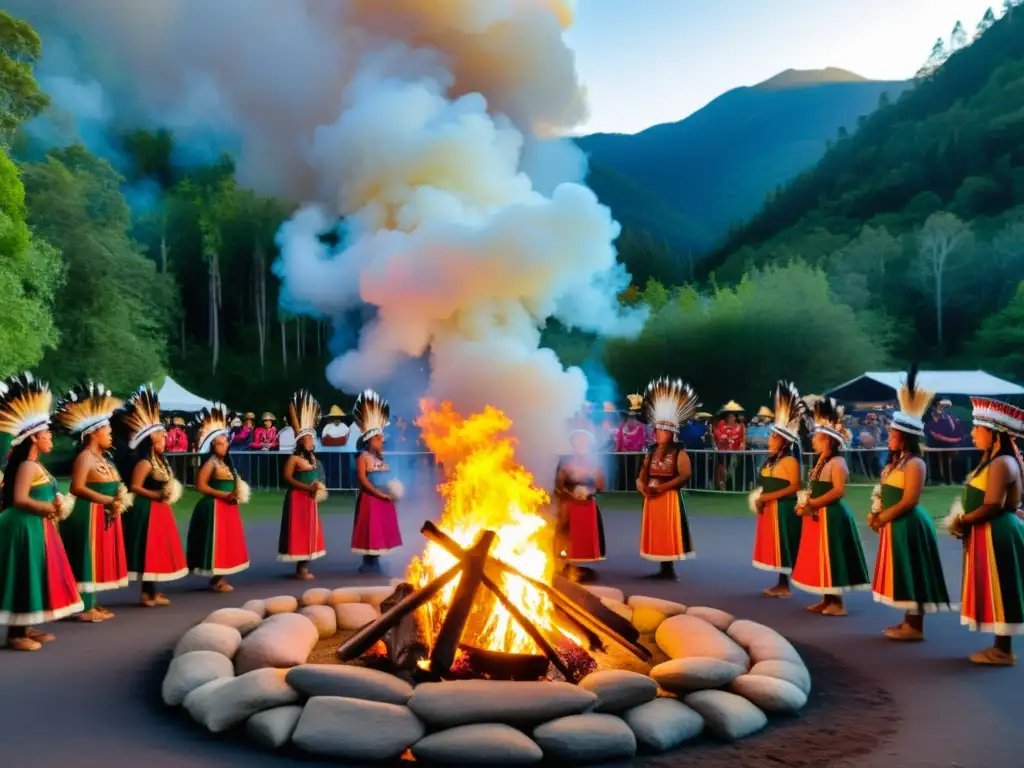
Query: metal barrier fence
[[718, 471]]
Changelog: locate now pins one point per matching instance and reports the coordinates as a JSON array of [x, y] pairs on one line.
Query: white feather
[[753, 499], [66, 502], [876, 500], [951, 522], [396, 490], [321, 493], [175, 491], [125, 497], [802, 497], [242, 491]]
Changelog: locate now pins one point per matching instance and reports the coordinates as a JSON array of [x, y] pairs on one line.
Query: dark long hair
[[819, 465], [786, 450], [126, 459], [309, 456], [19, 455], [911, 447]]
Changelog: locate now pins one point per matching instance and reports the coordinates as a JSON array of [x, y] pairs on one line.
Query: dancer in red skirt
[[302, 537], [36, 582], [375, 528], [152, 542], [216, 538], [578, 480], [93, 535]]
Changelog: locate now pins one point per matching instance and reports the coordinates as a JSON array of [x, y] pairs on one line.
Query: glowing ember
[[485, 489]]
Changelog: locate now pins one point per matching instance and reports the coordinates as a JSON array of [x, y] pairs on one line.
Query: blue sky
[[654, 61]]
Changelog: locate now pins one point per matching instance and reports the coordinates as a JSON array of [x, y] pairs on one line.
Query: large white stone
[[789, 671], [619, 689], [354, 615], [695, 673], [283, 640], [375, 595], [479, 744], [590, 738], [323, 617], [349, 682], [234, 700], [606, 593], [256, 606], [239, 618], [663, 724], [191, 670], [726, 715], [281, 604], [354, 729], [762, 642], [315, 596], [273, 728], [210, 637], [717, 618], [649, 612], [683, 636], [344, 595], [774, 696], [460, 702]]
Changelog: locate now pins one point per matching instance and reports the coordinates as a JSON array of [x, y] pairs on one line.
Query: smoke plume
[[431, 128]]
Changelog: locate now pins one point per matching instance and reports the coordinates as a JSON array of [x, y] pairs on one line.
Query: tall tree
[[20, 95], [985, 24], [958, 38], [942, 240], [935, 59], [114, 310]]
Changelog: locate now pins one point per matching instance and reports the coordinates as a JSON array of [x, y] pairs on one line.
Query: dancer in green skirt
[[908, 571], [93, 535], [36, 582], [830, 560]]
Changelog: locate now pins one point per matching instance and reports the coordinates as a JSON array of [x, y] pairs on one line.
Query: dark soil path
[[92, 697]]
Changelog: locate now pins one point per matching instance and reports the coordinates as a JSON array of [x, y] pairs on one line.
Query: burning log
[[406, 642]]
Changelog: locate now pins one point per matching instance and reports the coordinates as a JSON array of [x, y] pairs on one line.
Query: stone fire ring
[[247, 666]]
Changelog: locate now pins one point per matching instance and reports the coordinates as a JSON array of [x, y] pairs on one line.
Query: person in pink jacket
[[632, 435]]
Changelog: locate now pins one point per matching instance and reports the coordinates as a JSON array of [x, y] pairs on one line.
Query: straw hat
[[335, 412], [268, 416], [765, 412], [250, 415], [704, 416], [732, 407]]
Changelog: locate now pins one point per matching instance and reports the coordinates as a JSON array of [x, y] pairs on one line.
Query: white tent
[[174, 397], [882, 386]]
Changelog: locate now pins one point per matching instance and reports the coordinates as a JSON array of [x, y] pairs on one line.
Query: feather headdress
[[789, 409], [636, 403], [828, 418], [668, 403], [914, 402], [371, 414], [25, 405], [210, 424], [86, 408], [140, 417], [303, 414], [997, 415]]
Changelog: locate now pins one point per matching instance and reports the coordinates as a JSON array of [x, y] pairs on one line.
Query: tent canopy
[[174, 397], [879, 387]]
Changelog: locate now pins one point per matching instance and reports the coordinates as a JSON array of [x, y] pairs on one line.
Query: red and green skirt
[[94, 543], [993, 587], [302, 536], [830, 558], [36, 581], [584, 540], [216, 539], [375, 528], [152, 542], [908, 570], [777, 535], [665, 532]]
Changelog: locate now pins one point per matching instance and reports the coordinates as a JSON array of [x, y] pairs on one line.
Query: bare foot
[[93, 616], [107, 614], [994, 657], [777, 591], [148, 601], [23, 644], [222, 586], [40, 637], [833, 610], [817, 607], [904, 632], [305, 576], [161, 599]]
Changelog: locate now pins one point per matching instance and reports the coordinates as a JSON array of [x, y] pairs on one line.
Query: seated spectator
[[265, 437], [242, 432], [177, 439]]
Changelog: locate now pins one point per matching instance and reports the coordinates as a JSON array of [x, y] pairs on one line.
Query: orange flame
[[485, 489]]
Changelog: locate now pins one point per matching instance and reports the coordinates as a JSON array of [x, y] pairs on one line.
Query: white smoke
[[426, 125]]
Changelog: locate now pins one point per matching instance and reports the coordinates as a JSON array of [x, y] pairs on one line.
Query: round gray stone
[[762, 642], [478, 744], [717, 618], [770, 694], [210, 637], [243, 620], [272, 728], [726, 715], [663, 724], [238, 698], [191, 670], [461, 702], [695, 674], [323, 617], [354, 729], [649, 612], [618, 689], [683, 636], [315, 596], [281, 604], [283, 640], [256, 606], [789, 671], [590, 738], [349, 682]]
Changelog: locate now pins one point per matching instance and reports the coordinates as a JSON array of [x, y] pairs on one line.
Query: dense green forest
[[908, 235]]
